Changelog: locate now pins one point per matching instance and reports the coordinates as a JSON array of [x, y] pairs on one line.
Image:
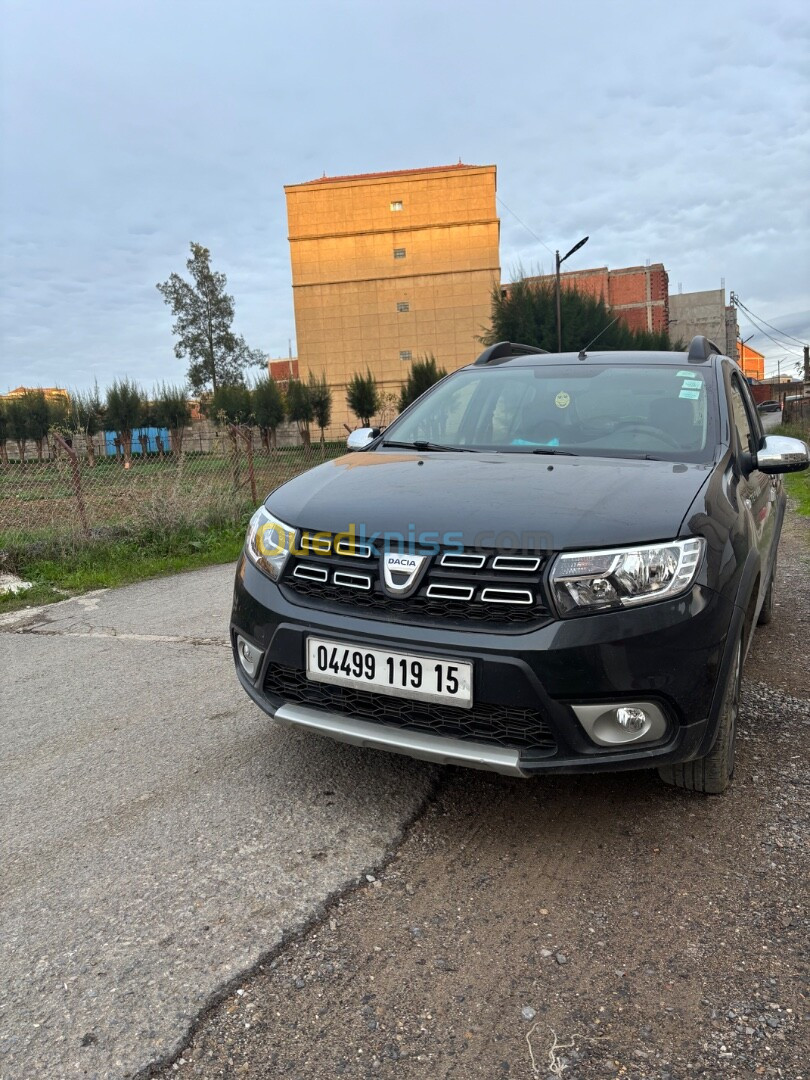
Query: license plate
[[406, 675]]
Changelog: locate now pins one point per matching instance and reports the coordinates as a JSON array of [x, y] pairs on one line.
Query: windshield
[[659, 411]]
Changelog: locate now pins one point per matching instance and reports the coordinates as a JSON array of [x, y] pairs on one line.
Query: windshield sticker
[[693, 395], [562, 400], [684, 374], [692, 384]]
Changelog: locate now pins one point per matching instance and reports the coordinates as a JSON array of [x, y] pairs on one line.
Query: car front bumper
[[670, 654]]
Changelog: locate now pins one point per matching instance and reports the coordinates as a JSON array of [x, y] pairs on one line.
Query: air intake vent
[[351, 581], [450, 592], [507, 596], [311, 573], [522, 563]]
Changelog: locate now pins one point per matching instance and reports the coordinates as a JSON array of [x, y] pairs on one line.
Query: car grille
[[459, 588], [516, 729]]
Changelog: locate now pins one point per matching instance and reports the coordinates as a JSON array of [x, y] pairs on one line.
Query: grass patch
[[116, 560], [797, 486]]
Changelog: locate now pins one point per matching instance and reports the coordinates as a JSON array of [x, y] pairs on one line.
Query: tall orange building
[[751, 361], [387, 267]]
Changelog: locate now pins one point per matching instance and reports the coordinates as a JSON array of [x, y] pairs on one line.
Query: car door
[[757, 491]]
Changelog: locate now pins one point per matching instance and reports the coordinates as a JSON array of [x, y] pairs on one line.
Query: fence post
[[76, 477], [247, 436]]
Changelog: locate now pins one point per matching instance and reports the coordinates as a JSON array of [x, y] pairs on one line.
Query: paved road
[[770, 420], [159, 834]]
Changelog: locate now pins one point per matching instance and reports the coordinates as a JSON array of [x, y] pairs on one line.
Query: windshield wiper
[[553, 450], [421, 444]]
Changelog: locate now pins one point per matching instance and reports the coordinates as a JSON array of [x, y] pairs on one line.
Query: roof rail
[[700, 349], [506, 350]]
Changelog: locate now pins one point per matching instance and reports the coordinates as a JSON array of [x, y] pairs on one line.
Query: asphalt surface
[[159, 834]]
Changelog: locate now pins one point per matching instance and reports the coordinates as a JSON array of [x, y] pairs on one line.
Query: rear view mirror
[[779, 454], [359, 439]]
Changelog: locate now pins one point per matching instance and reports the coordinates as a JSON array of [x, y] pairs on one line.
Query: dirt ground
[[582, 927]]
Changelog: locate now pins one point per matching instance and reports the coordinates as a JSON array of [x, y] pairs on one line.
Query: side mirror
[[359, 439], [779, 454]]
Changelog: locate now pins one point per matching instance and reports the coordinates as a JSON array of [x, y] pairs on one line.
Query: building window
[[396, 205], [399, 253], [403, 305], [405, 354]]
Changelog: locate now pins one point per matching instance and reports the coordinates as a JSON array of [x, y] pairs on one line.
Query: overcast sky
[[675, 132]]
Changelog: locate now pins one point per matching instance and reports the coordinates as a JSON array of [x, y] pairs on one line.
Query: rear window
[[665, 412]]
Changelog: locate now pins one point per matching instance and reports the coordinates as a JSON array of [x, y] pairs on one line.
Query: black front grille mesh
[[419, 608], [515, 729], [511, 585]]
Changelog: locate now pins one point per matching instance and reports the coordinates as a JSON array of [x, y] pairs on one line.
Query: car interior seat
[[675, 417], [541, 422]]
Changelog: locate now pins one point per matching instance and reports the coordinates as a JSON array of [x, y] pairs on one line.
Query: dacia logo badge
[[401, 572]]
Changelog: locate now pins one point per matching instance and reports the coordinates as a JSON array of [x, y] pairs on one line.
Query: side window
[[746, 435]]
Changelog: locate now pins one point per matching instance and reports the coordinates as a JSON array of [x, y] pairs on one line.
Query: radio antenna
[[583, 353]]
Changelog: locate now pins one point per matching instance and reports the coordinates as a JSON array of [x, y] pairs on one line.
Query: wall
[[752, 362], [639, 294], [704, 313]]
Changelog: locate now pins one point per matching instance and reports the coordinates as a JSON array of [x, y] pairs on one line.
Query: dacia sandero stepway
[[547, 563]]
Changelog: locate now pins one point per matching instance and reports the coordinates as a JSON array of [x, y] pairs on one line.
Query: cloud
[[675, 134]]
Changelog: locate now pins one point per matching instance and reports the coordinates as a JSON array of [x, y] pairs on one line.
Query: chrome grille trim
[[521, 563], [358, 550], [311, 573], [460, 587], [351, 581], [450, 592], [507, 596], [318, 545], [462, 561]]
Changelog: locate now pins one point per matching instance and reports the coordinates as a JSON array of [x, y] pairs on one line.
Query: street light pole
[[558, 263]]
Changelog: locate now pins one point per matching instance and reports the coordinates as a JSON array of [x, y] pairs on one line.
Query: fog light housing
[[618, 724], [631, 719], [249, 656]]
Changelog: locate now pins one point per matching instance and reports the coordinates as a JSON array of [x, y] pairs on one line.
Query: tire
[[712, 774], [766, 611]]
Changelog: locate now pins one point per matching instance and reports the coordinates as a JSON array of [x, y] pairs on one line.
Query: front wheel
[[712, 774]]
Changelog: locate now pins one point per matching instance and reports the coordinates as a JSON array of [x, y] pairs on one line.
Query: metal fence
[[74, 497], [797, 414]]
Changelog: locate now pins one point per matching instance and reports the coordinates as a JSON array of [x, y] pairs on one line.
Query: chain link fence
[[70, 498], [796, 414]]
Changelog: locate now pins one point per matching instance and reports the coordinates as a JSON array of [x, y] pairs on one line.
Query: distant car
[[768, 406]]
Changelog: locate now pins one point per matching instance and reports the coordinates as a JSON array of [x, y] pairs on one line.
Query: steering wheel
[[649, 429]]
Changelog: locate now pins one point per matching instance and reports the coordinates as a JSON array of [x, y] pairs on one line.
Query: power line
[[759, 329], [525, 226], [778, 331], [756, 319]]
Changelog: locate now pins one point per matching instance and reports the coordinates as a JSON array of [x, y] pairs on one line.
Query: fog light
[[249, 656], [617, 725], [631, 719]]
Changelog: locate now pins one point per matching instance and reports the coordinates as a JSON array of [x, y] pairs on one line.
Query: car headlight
[[269, 542], [623, 577]]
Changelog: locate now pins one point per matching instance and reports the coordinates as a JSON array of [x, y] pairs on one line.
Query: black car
[[546, 563], [769, 406]]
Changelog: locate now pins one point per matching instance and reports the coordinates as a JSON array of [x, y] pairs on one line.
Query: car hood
[[493, 500]]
